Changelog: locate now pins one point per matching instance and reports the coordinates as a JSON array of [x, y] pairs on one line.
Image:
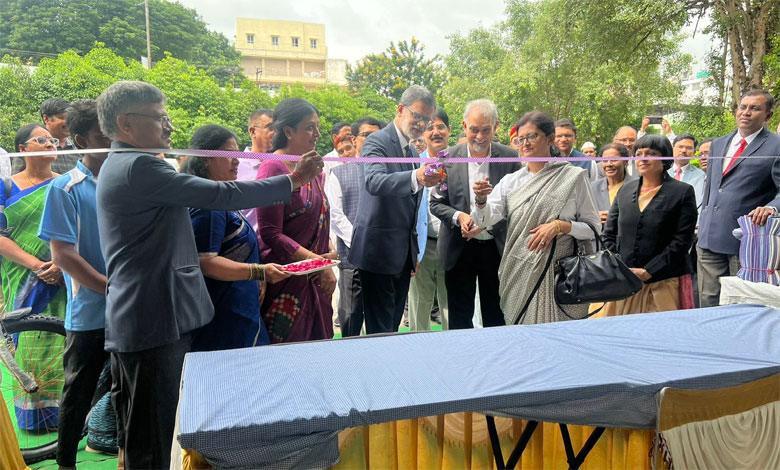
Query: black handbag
[[597, 277]]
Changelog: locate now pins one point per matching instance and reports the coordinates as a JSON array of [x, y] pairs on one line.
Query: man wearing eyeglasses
[[363, 128], [156, 296], [384, 244], [626, 135], [467, 251]]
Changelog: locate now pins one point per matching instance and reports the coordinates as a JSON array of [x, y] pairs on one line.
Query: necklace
[[26, 175]]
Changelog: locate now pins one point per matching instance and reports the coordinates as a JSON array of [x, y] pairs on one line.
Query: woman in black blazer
[[651, 225]]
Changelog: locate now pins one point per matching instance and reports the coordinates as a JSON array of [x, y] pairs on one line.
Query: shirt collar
[[468, 151], [748, 139], [83, 168], [401, 139]]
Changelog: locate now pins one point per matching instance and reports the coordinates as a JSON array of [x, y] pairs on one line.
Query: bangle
[[256, 272], [295, 174], [480, 202], [558, 225]]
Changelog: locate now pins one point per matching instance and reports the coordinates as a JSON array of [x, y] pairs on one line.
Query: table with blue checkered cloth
[[283, 406]]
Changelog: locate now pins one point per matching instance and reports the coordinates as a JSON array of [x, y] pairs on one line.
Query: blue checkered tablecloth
[[283, 406]]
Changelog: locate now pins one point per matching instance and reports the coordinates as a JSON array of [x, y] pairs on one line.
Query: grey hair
[[417, 93], [195, 166], [122, 97], [486, 107]]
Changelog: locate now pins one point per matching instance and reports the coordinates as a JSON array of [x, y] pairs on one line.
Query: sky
[[355, 28]]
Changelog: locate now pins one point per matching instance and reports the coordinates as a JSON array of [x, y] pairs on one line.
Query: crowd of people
[[147, 262]]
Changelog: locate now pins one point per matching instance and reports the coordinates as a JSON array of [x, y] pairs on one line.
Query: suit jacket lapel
[[752, 147]]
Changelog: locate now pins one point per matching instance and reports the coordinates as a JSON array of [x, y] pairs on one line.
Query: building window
[[250, 38], [294, 42], [274, 40], [313, 43]]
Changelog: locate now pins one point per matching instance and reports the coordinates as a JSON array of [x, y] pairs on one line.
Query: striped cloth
[[759, 250]]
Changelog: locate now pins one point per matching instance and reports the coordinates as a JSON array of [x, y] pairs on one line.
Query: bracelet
[[558, 225], [480, 202], [256, 272], [295, 174]]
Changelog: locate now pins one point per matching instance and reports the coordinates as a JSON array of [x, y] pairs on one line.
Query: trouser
[[384, 296], [83, 361], [350, 309], [145, 393], [426, 285], [711, 266], [478, 260]]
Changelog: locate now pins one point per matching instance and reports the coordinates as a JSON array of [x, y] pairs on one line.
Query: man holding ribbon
[[384, 240], [156, 296]]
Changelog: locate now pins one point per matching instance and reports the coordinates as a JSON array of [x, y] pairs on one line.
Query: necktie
[[677, 172], [740, 149]]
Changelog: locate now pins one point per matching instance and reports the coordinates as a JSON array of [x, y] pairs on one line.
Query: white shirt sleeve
[[339, 224], [415, 184], [495, 208], [585, 212]]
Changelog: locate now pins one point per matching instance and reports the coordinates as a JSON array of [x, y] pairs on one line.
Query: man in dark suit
[[384, 239], [156, 296], [737, 185], [565, 138], [469, 252]]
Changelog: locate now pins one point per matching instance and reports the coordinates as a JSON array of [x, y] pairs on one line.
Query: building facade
[[277, 53]]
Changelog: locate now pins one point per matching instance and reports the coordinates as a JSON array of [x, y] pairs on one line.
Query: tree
[[747, 31], [194, 98], [40, 28], [602, 64], [397, 68]]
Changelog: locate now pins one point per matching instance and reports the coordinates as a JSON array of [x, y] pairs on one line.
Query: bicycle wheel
[[40, 344]]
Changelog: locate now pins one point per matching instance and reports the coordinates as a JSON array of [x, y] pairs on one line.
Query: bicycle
[[32, 375]]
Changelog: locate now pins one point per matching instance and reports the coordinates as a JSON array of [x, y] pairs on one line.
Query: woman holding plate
[[228, 253], [299, 308]]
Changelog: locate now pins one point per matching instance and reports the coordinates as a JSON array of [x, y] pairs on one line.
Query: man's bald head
[[626, 135]]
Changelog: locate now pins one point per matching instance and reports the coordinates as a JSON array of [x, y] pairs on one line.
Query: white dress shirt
[[732, 149], [693, 176], [404, 144], [329, 166], [579, 209], [340, 226], [477, 171]]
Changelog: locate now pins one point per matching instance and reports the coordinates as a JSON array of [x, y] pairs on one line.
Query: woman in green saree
[[29, 279]]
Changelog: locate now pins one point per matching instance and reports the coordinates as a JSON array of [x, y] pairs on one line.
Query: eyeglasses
[[530, 138], [627, 140], [43, 140], [365, 134], [420, 117], [163, 120]]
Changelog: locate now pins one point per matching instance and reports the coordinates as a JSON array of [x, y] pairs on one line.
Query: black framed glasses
[[530, 138], [163, 120], [43, 140], [420, 117]]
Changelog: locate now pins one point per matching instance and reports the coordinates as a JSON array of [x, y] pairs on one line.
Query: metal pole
[[148, 37]]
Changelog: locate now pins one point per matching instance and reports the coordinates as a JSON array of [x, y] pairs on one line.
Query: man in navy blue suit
[[737, 184], [565, 138], [384, 240]]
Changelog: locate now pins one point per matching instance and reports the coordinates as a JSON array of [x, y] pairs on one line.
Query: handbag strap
[[538, 282], [597, 237]]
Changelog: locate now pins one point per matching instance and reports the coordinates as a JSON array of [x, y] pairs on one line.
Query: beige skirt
[[661, 296]]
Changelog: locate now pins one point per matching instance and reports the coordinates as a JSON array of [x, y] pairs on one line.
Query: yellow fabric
[[10, 456], [613, 192], [646, 197], [390, 446], [661, 296]]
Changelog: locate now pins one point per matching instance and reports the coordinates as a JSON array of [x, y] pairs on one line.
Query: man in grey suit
[[737, 185], [156, 296], [384, 239], [468, 252]]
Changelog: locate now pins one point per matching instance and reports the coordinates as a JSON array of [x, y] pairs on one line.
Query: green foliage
[[395, 69], [194, 98], [705, 121], [602, 64], [54, 26]]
